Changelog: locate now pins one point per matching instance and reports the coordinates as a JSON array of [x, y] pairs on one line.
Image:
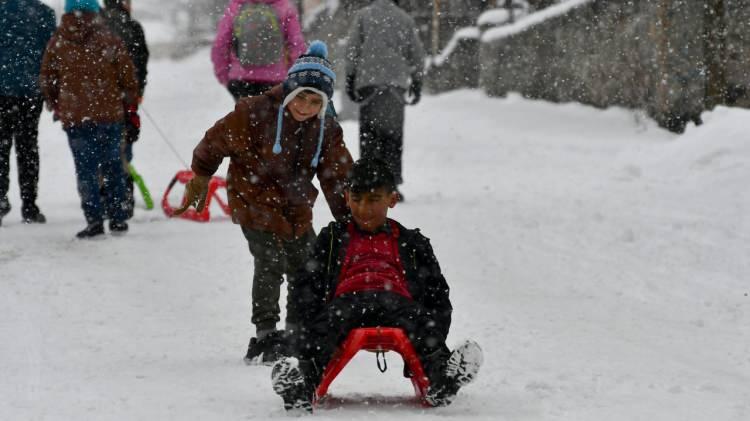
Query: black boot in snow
[[118, 228], [4, 209], [288, 380], [34, 218], [254, 353], [32, 215], [266, 351], [91, 231], [461, 368], [39, 218]]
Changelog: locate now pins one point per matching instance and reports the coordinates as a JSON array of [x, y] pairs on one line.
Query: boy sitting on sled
[[371, 272]]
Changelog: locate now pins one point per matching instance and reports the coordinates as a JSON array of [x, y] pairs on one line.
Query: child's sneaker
[[288, 381], [461, 368]]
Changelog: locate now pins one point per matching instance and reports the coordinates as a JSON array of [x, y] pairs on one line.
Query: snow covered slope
[[601, 262]]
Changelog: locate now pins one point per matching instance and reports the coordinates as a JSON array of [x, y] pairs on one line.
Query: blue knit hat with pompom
[[311, 72], [82, 5]]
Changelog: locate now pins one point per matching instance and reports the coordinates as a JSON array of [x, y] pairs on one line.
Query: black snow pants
[[321, 337], [19, 124], [273, 258], [381, 126]]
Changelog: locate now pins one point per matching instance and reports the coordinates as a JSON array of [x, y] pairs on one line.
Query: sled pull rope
[[384, 367], [164, 137]]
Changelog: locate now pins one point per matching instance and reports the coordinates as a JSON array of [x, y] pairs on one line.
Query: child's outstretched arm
[[436, 291], [308, 293]]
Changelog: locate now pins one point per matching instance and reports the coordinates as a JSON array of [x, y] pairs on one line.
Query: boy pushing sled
[[371, 272]]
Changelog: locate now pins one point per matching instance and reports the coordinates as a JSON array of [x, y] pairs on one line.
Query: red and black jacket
[[316, 282]]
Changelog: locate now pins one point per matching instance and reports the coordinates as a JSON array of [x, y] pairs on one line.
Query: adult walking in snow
[[385, 59], [256, 43], [117, 18], [277, 142], [88, 80], [25, 28]]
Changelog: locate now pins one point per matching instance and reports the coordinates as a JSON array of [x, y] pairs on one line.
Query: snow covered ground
[[601, 262]]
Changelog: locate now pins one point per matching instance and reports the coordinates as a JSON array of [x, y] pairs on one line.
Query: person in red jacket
[[370, 271]]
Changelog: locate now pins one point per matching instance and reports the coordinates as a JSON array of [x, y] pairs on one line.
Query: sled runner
[[183, 177], [378, 340]]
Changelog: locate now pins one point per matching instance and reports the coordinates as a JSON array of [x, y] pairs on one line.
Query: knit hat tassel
[[316, 158], [279, 120]]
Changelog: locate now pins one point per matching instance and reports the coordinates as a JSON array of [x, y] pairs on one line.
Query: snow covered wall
[[638, 54]]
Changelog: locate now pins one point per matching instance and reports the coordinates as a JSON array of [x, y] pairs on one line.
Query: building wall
[[640, 54], [738, 51]]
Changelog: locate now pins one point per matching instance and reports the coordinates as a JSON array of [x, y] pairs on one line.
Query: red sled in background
[[191, 214]]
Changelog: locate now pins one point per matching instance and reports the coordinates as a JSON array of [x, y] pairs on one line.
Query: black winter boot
[[290, 381], [92, 230], [31, 214], [460, 369], [4, 209], [118, 228], [34, 218], [268, 350]]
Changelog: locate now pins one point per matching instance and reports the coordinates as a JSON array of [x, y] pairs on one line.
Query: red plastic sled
[[375, 339], [213, 185]]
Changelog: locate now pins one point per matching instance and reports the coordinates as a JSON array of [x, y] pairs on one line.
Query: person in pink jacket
[[256, 43]]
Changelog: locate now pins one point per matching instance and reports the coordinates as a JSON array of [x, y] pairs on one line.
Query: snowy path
[[602, 263]]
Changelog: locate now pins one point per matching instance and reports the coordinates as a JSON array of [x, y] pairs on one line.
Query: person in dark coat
[[384, 63], [368, 272], [25, 28], [88, 81], [117, 18], [277, 142]]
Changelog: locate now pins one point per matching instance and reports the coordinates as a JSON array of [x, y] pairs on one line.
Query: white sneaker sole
[[287, 382], [464, 363]]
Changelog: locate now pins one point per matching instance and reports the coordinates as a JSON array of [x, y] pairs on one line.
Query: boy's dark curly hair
[[369, 174]]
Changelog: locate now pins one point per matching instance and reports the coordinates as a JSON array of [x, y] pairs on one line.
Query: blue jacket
[[25, 28]]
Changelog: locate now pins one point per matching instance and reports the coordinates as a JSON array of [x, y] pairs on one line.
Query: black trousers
[[19, 125], [321, 337], [381, 126], [273, 258], [240, 88]]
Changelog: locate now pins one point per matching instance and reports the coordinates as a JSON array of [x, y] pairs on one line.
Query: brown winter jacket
[[269, 192], [87, 75]]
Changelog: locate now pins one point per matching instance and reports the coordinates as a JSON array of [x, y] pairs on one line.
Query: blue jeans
[[96, 150], [127, 152]]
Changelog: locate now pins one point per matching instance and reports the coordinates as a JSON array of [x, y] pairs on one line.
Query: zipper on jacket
[[330, 253]]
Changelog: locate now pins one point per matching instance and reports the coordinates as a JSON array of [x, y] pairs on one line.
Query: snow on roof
[[532, 20]]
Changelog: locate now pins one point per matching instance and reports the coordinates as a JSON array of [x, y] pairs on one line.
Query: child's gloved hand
[[415, 91], [196, 191], [350, 91]]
